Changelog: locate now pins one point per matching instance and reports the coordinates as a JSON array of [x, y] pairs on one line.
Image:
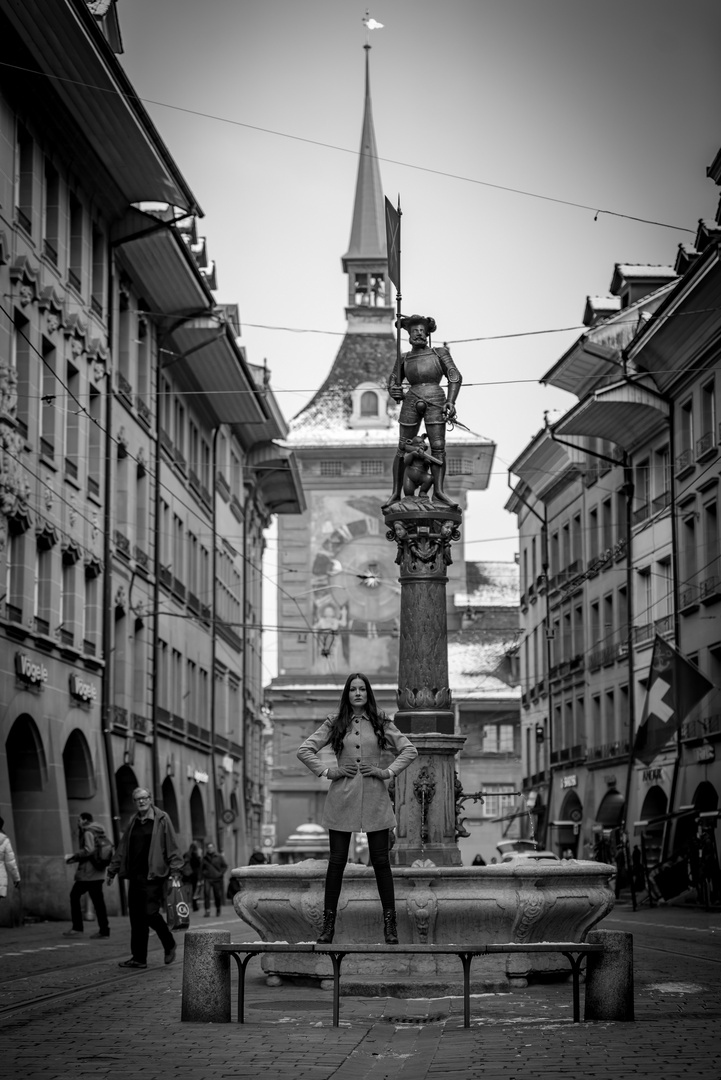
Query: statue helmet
[[407, 321]]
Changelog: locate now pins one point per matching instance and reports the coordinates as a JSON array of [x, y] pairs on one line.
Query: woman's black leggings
[[378, 851]]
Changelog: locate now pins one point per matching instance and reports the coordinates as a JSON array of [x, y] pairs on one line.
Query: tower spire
[[366, 261]]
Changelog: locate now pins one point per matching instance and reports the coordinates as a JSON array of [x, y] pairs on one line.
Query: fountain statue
[[438, 901]]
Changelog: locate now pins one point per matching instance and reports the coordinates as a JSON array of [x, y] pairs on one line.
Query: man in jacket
[[88, 879], [147, 855], [212, 869]]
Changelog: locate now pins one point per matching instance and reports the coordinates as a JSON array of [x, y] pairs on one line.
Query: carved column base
[[425, 803]]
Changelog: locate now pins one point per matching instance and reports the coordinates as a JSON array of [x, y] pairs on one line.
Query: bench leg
[[336, 960], [575, 962], [242, 963], [465, 959]]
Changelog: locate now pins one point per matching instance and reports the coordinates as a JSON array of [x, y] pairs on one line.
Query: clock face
[[356, 593]]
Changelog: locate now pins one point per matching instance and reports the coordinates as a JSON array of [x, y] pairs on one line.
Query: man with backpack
[[93, 855]]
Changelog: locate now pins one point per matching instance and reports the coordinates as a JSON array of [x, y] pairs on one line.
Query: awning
[[544, 461], [162, 266], [625, 413], [610, 810], [81, 78], [585, 363], [276, 471]]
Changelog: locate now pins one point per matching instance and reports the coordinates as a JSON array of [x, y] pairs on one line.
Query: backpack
[[103, 851]]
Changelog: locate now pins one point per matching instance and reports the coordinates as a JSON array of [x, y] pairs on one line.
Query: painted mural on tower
[[356, 596]]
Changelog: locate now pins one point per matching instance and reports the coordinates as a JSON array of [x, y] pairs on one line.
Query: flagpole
[[399, 299]]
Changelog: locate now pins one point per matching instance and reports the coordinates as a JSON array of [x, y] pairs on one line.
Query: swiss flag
[[674, 686]]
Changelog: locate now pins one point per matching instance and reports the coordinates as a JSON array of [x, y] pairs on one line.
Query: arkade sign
[[81, 689], [30, 670]]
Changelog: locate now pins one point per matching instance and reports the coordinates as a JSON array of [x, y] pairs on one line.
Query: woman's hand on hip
[[372, 770], [342, 770]]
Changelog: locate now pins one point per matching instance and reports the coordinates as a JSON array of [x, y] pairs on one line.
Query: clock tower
[[339, 596]]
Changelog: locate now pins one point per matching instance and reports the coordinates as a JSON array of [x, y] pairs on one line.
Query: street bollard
[[206, 978], [609, 976]]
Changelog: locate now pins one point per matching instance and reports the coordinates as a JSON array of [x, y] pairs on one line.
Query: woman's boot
[[389, 926], [326, 934]]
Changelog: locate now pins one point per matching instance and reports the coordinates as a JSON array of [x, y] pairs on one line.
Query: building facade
[[139, 469], [617, 510]]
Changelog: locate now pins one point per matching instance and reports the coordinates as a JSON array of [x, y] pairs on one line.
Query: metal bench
[[574, 951]]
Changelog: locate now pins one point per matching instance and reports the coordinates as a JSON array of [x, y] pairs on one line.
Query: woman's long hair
[[345, 715]]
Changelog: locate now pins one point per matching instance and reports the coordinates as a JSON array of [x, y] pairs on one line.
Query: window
[[145, 359], [662, 478], [707, 439], [141, 509], [500, 800], [162, 674], [711, 540], [236, 475], [205, 467], [555, 554], [24, 179], [178, 548], [578, 634], [565, 545], [689, 557], [67, 600], [369, 403], [642, 491], [47, 411], [606, 525], [91, 609], [593, 536], [176, 688], [505, 738], [51, 213], [685, 435], [95, 457], [21, 361], [576, 539], [595, 623], [372, 468], [609, 718], [140, 669], [596, 718], [72, 421], [179, 427], [191, 694], [75, 267], [97, 291], [460, 466], [43, 585], [331, 468], [193, 448], [665, 588]]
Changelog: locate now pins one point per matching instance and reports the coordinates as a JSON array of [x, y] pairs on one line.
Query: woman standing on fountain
[[369, 750]]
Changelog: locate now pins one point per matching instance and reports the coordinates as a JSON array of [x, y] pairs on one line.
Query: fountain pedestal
[[425, 792]]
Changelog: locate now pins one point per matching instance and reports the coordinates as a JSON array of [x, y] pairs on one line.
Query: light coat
[[356, 803], [8, 864]]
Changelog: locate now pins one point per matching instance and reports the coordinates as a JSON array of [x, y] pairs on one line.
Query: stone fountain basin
[[435, 905]]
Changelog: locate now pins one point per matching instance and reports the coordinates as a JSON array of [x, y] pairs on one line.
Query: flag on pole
[[393, 243], [675, 685]]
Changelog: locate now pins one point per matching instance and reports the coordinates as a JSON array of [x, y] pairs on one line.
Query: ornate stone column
[[425, 792]]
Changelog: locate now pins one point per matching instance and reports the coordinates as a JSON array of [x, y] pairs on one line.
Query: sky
[[492, 120]]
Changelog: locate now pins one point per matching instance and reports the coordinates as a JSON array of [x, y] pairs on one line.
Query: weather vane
[[370, 24]]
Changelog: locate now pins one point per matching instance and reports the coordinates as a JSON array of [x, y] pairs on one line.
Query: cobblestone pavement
[[67, 1010]]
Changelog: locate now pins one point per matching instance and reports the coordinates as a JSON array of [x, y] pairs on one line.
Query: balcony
[[166, 578], [89, 648], [688, 600], [685, 464], [706, 447], [701, 727], [710, 589], [664, 625], [124, 388], [179, 589], [66, 637], [119, 717], [166, 442], [141, 724], [96, 306], [661, 501], [74, 280], [194, 603], [144, 414], [141, 558], [604, 751], [13, 613], [180, 461], [42, 626], [643, 632]]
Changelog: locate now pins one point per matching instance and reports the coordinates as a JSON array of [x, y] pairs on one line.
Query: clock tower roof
[[367, 235]]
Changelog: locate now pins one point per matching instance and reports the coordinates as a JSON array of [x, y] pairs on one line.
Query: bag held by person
[[103, 851], [178, 912]]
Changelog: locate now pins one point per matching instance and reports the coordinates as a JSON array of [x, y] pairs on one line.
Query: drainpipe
[[155, 746], [213, 615], [107, 626]]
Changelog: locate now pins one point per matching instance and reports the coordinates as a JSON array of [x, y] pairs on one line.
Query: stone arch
[[705, 798], [30, 793], [571, 815], [655, 804], [369, 403], [125, 784], [80, 780], [197, 816], [170, 802]]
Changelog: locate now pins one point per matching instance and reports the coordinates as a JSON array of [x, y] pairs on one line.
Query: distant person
[[190, 873], [147, 855], [89, 878], [478, 860], [639, 880], [8, 863], [212, 869], [256, 858], [369, 750]]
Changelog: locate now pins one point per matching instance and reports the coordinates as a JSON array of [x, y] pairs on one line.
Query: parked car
[[506, 847], [519, 858]]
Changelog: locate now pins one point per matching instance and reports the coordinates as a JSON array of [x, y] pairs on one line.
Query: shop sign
[[569, 781], [705, 753], [653, 776], [81, 689], [197, 775], [29, 670]]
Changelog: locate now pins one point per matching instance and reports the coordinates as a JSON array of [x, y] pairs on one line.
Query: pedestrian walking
[[146, 856], [190, 874], [8, 863], [369, 751], [212, 869], [89, 877]]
